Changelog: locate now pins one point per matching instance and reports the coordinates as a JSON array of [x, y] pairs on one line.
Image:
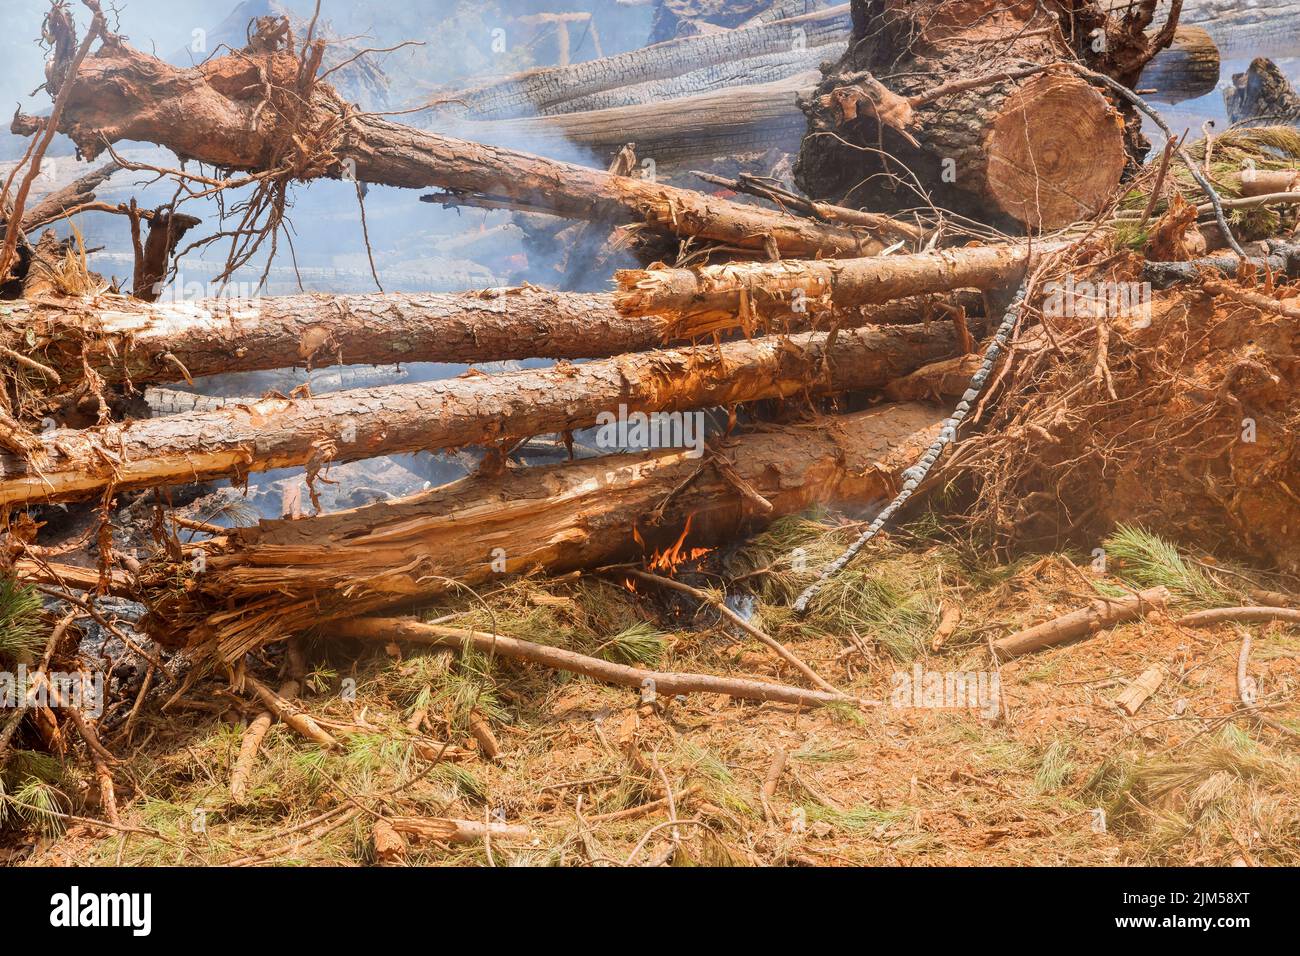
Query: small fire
[[669, 561]]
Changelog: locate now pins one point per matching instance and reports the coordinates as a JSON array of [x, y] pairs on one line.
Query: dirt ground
[[1050, 772]]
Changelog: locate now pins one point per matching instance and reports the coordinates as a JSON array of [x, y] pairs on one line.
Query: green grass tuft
[[20, 624], [1146, 560], [641, 645]]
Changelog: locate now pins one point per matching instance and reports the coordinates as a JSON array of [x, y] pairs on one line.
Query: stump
[[1034, 154]]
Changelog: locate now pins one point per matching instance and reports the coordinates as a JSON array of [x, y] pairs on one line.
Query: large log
[[710, 79], [125, 340], [1247, 28], [217, 113], [709, 299], [750, 106], [689, 131], [1188, 69], [749, 55], [554, 90], [264, 583], [474, 410], [1040, 153]]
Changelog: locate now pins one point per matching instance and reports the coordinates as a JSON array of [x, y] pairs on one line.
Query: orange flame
[[669, 561]]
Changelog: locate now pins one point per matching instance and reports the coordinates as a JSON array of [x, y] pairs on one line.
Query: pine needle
[[1146, 560]]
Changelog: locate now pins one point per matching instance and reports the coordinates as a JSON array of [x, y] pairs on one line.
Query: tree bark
[[699, 301], [124, 340], [561, 89], [1075, 626], [266, 582], [749, 55], [1262, 96], [215, 113], [752, 106], [1037, 154], [693, 81], [1243, 28], [689, 131], [447, 830], [1187, 70], [469, 411]]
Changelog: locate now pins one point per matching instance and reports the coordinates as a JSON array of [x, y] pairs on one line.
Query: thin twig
[[703, 596]]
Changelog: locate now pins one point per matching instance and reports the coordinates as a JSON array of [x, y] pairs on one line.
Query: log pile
[[733, 92], [960, 162]]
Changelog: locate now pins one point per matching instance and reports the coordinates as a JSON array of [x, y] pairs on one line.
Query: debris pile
[[914, 287]]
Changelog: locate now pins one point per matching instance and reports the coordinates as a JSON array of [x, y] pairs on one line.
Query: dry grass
[[1188, 780]]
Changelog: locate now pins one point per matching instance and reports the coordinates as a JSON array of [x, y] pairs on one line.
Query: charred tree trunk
[[264, 583], [1243, 28], [1038, 154], [1262, 96], [557, 90], [473, 410]]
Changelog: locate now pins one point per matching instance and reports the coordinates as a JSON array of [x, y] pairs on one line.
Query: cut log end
[[1056, 152]]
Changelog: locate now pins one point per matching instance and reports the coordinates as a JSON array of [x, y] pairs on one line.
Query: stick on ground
[[665, 682]]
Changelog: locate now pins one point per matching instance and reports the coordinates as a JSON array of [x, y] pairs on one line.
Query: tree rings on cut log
[[1055, 152]]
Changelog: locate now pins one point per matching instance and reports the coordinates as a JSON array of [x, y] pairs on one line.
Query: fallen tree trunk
[[688, 66], [691, 130], [732, 75], [713, 116], [547, 91], [124, 340], [1243, 28], [266, 582], [664, 682], [1188, 69], [473, 410], [216, 113], [1039, 153], [699, 301]]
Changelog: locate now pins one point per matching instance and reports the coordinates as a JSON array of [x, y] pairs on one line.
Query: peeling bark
[[214, 113], [471, 410], [730, 296], [266, 582], [124, 340]]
